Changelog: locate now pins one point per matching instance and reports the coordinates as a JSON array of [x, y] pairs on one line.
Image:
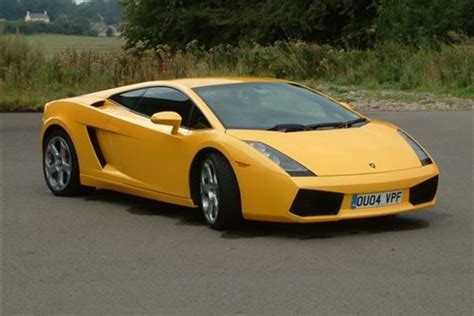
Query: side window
[[152, 100], [129, 99], [161, 99], [198, 120]]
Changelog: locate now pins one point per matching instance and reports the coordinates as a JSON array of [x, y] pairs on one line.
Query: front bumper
[[269, 196]]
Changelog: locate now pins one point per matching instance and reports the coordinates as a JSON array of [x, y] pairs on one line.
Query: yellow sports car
[[238, 148]]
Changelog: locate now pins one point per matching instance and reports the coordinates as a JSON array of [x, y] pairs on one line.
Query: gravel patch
[[426, 102], [392, 100]]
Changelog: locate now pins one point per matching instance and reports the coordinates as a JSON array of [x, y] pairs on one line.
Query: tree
[[111, 10], [214, 22], [344, 23], [410, 21], [66, 16], [468, 17], [211, 22], [10, 10]]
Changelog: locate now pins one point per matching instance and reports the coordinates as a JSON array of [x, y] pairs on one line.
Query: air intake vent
[[424, 192], [95, 144], [98, 104], [316, 203]]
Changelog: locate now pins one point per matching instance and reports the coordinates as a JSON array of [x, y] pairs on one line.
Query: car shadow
[[145, 207], [253, 229], [326, 230]]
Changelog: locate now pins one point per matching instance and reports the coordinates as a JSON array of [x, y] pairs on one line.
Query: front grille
[[424, 191], [316, 203]]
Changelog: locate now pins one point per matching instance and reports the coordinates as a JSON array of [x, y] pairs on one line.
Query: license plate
[[376, 199]]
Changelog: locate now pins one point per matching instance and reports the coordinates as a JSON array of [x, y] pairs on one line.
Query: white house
[[37, 17]]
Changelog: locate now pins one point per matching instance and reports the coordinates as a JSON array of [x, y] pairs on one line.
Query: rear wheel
[[219, 193], [60, 165]]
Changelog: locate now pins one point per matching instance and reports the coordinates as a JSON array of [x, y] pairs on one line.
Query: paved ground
[[113, 253]]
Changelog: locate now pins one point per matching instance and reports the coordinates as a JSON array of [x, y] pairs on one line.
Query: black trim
[[95, 144], [424, 192], [305, 173], [426, 161], [98, 104], [316, 203]]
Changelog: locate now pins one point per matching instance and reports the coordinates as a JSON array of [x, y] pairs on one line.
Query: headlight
[[286, 163], [420, 152]]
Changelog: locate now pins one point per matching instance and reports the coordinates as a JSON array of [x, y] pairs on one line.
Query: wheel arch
[[194, 170], [74, 186], [49, 130], [50, 126]]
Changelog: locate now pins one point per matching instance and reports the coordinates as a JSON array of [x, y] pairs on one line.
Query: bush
[[28, 78]]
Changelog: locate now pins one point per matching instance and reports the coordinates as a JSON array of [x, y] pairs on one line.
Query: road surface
[[117, 254]]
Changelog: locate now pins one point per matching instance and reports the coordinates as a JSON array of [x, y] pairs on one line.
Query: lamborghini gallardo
[[237, 149]]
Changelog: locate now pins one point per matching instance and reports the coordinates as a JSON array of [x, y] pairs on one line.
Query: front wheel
[[219, 193], [60, 165]]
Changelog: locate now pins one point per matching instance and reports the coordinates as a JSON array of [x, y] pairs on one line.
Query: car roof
[[213, 81], [188, 83]]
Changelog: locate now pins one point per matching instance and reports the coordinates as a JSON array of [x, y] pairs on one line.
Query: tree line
[[66, 16], [110, 10], [344, 23], [340, 23]]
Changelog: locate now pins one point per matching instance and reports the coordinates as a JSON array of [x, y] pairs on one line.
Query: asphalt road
[[117, 254]]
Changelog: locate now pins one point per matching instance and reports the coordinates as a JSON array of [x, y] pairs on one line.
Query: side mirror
[[347, 105], [168, 118]]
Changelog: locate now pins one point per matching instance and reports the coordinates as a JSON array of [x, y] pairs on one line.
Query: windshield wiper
[[323, 125], [290, 127], [293, 127], [337, 124], [352, 122]]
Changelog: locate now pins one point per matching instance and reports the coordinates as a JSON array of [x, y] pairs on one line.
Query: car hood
[[347, 151]]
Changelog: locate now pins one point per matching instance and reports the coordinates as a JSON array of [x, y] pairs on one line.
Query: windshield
[[266, 105]]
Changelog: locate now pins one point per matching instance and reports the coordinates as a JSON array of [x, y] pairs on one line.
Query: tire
[[60, 165], [219, 194]]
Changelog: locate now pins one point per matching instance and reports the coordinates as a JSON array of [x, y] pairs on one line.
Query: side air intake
[[95, 144]]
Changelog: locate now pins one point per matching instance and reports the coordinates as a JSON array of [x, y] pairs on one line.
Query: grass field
[[54, 43], [36, 69]]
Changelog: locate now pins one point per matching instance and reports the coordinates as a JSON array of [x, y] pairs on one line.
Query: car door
[[147, 154]]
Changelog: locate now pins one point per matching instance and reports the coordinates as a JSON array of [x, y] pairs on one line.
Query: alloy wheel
[[209, 188], [57, 163]]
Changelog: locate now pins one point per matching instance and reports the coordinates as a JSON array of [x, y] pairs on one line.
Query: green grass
[[32, 73], [55, 43]]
